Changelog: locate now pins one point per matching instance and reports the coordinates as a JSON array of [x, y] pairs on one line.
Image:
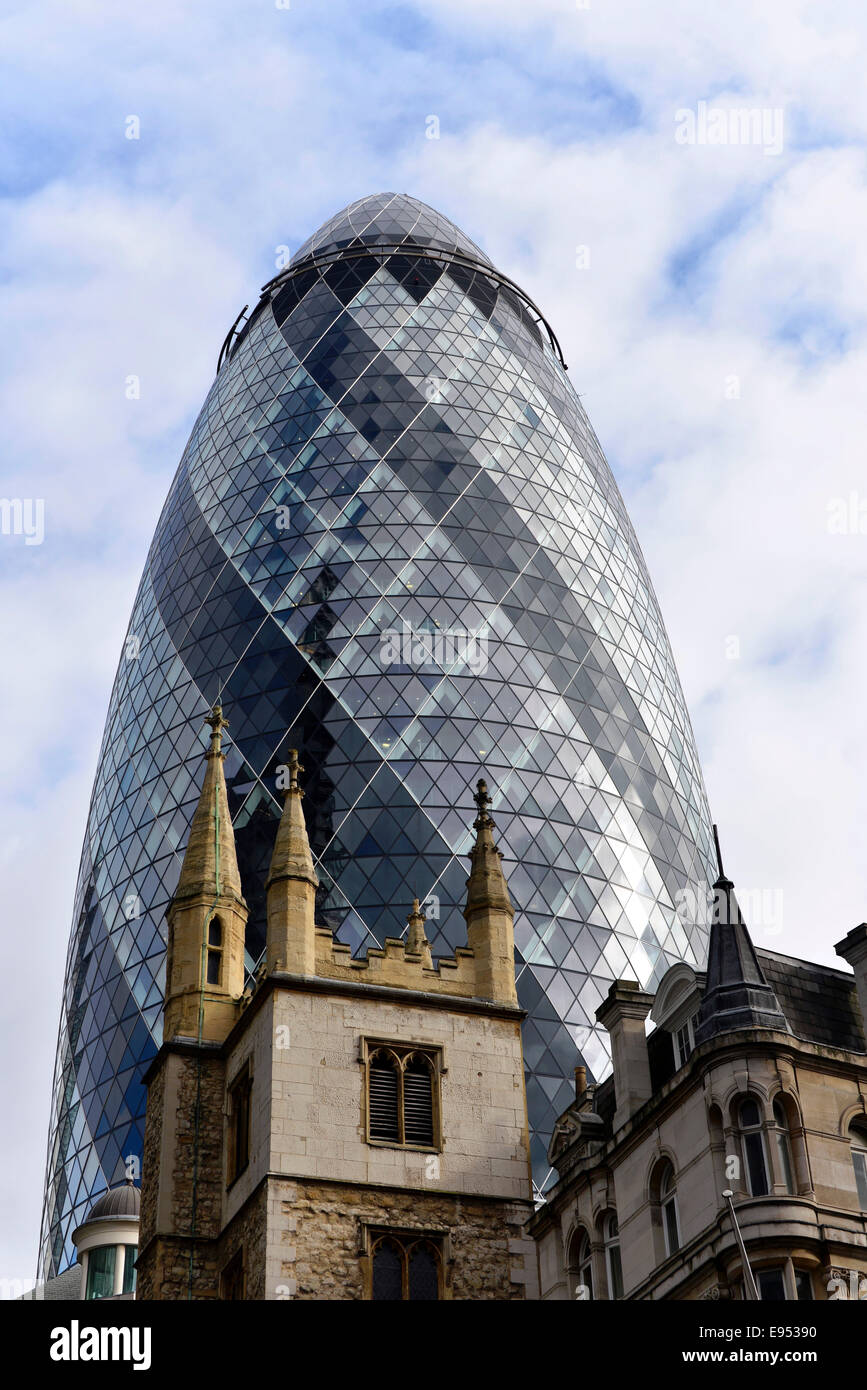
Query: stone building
[[743, 1111], [345, 1128]]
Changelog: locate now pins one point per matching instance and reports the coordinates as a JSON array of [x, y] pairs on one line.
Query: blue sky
[[715, 327]]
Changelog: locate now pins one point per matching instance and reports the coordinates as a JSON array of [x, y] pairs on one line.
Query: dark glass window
[[753, 1144], [406, 1268], [581, 1267], [130, 1255], [772, 1285], [784, 1146], [100, 1272], [232, 1279], [668, 1205], [388, 1271], [858, 1136], [612, 1257], [803, 1285], [423, 1274], [239, 1126], [215, 953]]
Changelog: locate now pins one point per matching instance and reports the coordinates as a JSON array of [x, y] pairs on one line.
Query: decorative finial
[[416, 940], [218, 724], [294, 768], [719, 862], [721, 880], [483, 801]]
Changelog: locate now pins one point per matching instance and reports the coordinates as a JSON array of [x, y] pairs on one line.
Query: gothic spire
[[292, 857], [416, 943], [736, 994], [210, 863], [291, 888], [488, 912], [486, 886]]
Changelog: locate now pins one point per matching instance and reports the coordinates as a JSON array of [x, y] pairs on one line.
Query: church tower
[[182, 1166], [346, 1128]]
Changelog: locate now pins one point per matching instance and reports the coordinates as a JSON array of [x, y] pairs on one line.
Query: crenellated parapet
[[397, 965]]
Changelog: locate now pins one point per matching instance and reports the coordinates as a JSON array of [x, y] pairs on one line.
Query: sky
[[682, 191]]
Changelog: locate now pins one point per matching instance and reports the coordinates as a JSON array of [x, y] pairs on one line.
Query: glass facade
[[394, 543]]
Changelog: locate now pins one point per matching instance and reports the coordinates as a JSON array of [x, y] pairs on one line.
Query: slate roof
[[820, 1003]]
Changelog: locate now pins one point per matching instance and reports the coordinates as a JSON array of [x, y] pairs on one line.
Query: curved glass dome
[[388, 219], [393, 542]]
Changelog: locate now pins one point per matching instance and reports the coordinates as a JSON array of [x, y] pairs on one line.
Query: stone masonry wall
[[316, 1238], [168, 1232]]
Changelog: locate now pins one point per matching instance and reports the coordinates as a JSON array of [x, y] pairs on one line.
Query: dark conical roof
[[117, 1203], [384, 219], [736, 994]]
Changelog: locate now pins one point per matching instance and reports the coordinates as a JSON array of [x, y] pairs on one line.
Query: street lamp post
[[750, 1286]]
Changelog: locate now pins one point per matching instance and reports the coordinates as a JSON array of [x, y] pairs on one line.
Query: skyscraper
[[394, 543]]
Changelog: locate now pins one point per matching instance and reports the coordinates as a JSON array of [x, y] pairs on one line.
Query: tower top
[[210, 864], [722, 881], [483, 802], [416, 938], [218, 724], [294, 768], [736, 995], [292, 857], [486, 886]]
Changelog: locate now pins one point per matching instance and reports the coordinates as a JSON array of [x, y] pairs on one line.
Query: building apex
[[416, 938], [292, 857], [486, 885], [210, 863], [218, 724], [736, 995]]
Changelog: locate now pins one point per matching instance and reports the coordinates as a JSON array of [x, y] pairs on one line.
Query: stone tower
[[347, 1128]]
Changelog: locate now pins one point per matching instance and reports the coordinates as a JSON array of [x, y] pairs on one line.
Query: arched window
[[403, 1087], [580, 1266], [387, 1270], [405, 1268], [424, 1276], [384, 1106], [783, 1142], [753, 1147], [613, 1267], [215, 950], [418, 1121], [858, 1140], [668, 1209]]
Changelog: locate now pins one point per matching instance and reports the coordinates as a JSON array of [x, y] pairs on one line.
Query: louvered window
[[418, 1102], [384, 1098], [402, 1096]]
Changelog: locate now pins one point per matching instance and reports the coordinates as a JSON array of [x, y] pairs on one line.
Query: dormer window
[[676, 1008]]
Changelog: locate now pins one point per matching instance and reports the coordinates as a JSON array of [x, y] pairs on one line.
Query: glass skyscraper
[[394, 543]]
